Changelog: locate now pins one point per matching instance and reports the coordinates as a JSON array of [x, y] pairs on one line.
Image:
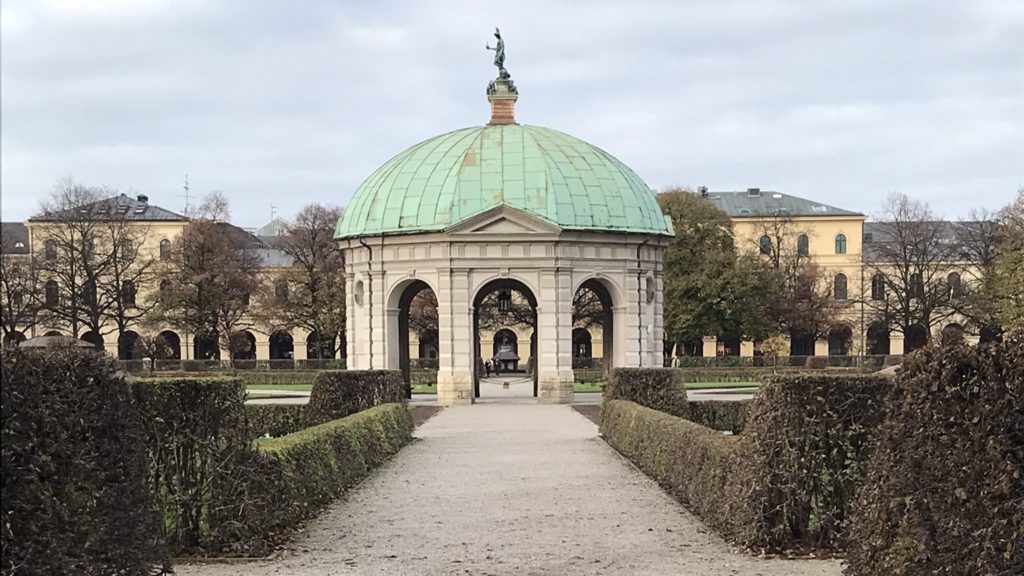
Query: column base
[[555, 388], [454, 389]]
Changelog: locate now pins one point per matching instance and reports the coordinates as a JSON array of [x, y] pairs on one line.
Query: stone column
[[658, 343], [821, 347], [710, 346], [554, 337], [455, 335], [262, 347], [746, 348]]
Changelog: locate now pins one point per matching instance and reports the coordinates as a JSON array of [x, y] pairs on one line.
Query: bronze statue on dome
[[499, 62]]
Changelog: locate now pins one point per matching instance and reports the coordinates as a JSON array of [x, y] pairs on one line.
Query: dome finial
[[501, 92]]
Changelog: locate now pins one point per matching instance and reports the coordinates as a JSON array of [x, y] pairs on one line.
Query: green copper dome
[[455, 176]]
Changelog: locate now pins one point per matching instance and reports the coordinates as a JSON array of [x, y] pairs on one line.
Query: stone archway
[[404, 296], [502, 304]]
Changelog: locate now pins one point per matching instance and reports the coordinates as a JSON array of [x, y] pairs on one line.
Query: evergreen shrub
[[340, 393], [721, 415], [274, 419], [657, 388], [193, 427], [74, 469], [264, 493], [944, 493]]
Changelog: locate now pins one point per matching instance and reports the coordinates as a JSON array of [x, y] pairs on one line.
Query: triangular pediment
[[503, 220]]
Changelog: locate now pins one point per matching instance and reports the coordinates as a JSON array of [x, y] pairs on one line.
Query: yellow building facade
[[156, 229]]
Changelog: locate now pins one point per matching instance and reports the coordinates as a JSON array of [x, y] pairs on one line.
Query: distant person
[[497, 367], [487, 368]]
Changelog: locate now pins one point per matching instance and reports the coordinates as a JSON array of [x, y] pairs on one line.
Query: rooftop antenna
[[273, 211], [186, 193]]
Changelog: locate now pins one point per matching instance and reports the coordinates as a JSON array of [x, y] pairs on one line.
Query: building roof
[[269, 255], [877, 235], [125, 207], [14, 237], [755, 202], [548, 174]]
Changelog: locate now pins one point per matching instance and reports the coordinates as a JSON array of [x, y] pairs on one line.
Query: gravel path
[[511, 489]]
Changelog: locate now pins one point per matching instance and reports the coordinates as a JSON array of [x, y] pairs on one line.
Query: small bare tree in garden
[[314, 286], [208, 280]]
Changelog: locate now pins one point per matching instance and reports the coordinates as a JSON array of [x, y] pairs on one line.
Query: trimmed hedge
[[695, 465], [74, 469], [340, 393], [193, 428], [274, 419], [266, 492], [945, 490], [788, 481], [658, 388], [811, 437], [721, 415]]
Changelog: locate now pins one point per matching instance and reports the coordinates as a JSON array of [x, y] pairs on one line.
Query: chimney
[[502, 95], [142, 198], [703, 191], [753, 192]]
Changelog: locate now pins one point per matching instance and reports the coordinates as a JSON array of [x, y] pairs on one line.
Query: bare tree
[[20, 298], [207, 282], [913, 253], [89, 254], [807, 304], [314, 293], [976, 295]]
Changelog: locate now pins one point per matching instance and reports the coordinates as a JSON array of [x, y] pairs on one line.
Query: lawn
[[424, 388], [587, 387]]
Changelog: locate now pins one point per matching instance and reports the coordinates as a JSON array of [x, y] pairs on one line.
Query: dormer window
[[19, 244], [122, 209]]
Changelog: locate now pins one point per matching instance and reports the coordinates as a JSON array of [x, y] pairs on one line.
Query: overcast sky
[[286, 103]]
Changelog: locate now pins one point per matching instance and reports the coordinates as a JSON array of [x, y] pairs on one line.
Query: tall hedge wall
[[811, 437], [721, 415], [788, 481], [193, 427], [264, 493], [658, 388], [945, 489], [339, 393], [74, 469]]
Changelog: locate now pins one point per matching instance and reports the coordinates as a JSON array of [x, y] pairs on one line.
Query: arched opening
[[582, 344], [916, 337], [94, 338], [801, 344], [878, 287], [840, 243], [878, 339], [53, 333], [319, 348], [428, 346], [765, 245], [592, 309], [282, 347], [505, 351], [503, 303], [417, 313], [173, 343], [126, 345], [990, 333], [803, 245], [243, 345], [205, 347], [952, 334], [727, 346], [14, 338], [692, 347], [839, 291], [840, 340]]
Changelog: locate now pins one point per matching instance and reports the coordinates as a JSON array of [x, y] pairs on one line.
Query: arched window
[[52, 293], [840, 292], [165, 249], [50, 250], [89, 293], [165, 285], [803, 245], [127, 247], [765, 244], [17, 300], [878, 287], [128, 293], [281, 290], [916, 285], [955, 286], [840, 243]]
